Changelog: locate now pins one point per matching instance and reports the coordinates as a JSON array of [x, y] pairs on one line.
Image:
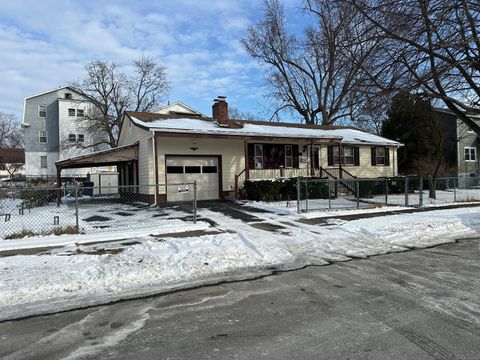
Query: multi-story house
[[461, 146], [55, 129]]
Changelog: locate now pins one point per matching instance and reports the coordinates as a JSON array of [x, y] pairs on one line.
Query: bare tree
[[148, 84], [11, 135], [11, 168], [111, 92], [311, 75], [431, 47], [235, 114]]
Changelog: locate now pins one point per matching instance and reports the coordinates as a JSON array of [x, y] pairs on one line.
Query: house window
[[71, 112], [288, 156], [43, 162], [80, 112], [470, 154], [68, 95], [209, 169], [42, 137], [72, 137], [336, 156], [80, 138], [174, 169], [258, 156], [42, 111], [380, 156], [192, 170], [349, 155]]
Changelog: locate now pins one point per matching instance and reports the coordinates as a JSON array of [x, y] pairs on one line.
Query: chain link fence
[[409, 191], [37, 211], [315, 194]]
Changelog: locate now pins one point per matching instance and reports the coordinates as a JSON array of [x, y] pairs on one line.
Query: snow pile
[[80, 275]]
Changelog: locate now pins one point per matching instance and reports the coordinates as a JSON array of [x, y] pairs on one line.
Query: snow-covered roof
[[257, 129], [178, 107]]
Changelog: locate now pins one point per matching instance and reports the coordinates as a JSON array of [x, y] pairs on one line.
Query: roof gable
[[178, 108]]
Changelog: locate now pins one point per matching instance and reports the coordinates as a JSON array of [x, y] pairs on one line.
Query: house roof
[[12, 156], [53, 90], [111, 156], [204, 125], [185, 109]]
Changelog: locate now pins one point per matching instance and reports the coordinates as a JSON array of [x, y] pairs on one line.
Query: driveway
[[421, 304]]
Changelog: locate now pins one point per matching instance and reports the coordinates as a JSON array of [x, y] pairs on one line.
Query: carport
[[124, 157]]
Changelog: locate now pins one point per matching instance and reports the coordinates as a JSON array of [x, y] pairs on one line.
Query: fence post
[[455, 189], [420, 186], [386, 191], [329, 195], [406, 190], [306, 195], [298, 195], [77, 228], [357, 192], [195, 201]]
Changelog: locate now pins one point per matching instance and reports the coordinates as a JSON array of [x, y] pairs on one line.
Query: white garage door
[[203, 170]]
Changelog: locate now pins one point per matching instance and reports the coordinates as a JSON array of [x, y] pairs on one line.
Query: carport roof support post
[[59, 184], [155, 167]]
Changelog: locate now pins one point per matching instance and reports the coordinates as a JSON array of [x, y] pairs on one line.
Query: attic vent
[[68, 95]]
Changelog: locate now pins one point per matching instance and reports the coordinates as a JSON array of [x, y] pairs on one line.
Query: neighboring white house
[[55, 129], [220, 154]]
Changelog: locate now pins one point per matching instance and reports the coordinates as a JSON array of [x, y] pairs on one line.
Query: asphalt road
[[421, 304]]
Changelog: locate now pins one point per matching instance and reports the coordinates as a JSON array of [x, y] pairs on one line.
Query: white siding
[[232, 152], [130, 134], [365, 169]]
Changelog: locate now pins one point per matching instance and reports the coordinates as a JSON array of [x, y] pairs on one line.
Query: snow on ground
[[442, 197], [346, 203], [94, 214], [81, 275]]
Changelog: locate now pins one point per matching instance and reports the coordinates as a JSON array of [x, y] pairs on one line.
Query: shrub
[[369, 188], [282, 190], [35, 197]]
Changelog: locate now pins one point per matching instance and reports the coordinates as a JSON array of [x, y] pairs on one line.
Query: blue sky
[[45, 44]]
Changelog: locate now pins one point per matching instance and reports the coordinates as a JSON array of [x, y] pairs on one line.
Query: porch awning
[[112, 156]]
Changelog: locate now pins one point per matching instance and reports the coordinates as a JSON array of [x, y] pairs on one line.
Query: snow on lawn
[[97, 273], [442, 197], [94, 216], [290, 207]]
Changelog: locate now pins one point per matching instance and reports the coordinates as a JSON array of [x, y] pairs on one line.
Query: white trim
[[470, 154], [38, 112], [155, 174], [194, 111], [53, 90], [39, 136]]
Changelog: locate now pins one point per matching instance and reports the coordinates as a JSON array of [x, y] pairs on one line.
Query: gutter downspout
[[155, 169]]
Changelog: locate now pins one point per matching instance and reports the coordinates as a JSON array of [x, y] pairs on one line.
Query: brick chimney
[[220, 110]]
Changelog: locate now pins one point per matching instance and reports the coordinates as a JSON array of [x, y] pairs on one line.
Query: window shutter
[[251, 155], [374, 156], [330, 155], [296, 163], [356, 156], [387, 157]]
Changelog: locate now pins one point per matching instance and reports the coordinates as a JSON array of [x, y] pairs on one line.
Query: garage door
[[203, 170]]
